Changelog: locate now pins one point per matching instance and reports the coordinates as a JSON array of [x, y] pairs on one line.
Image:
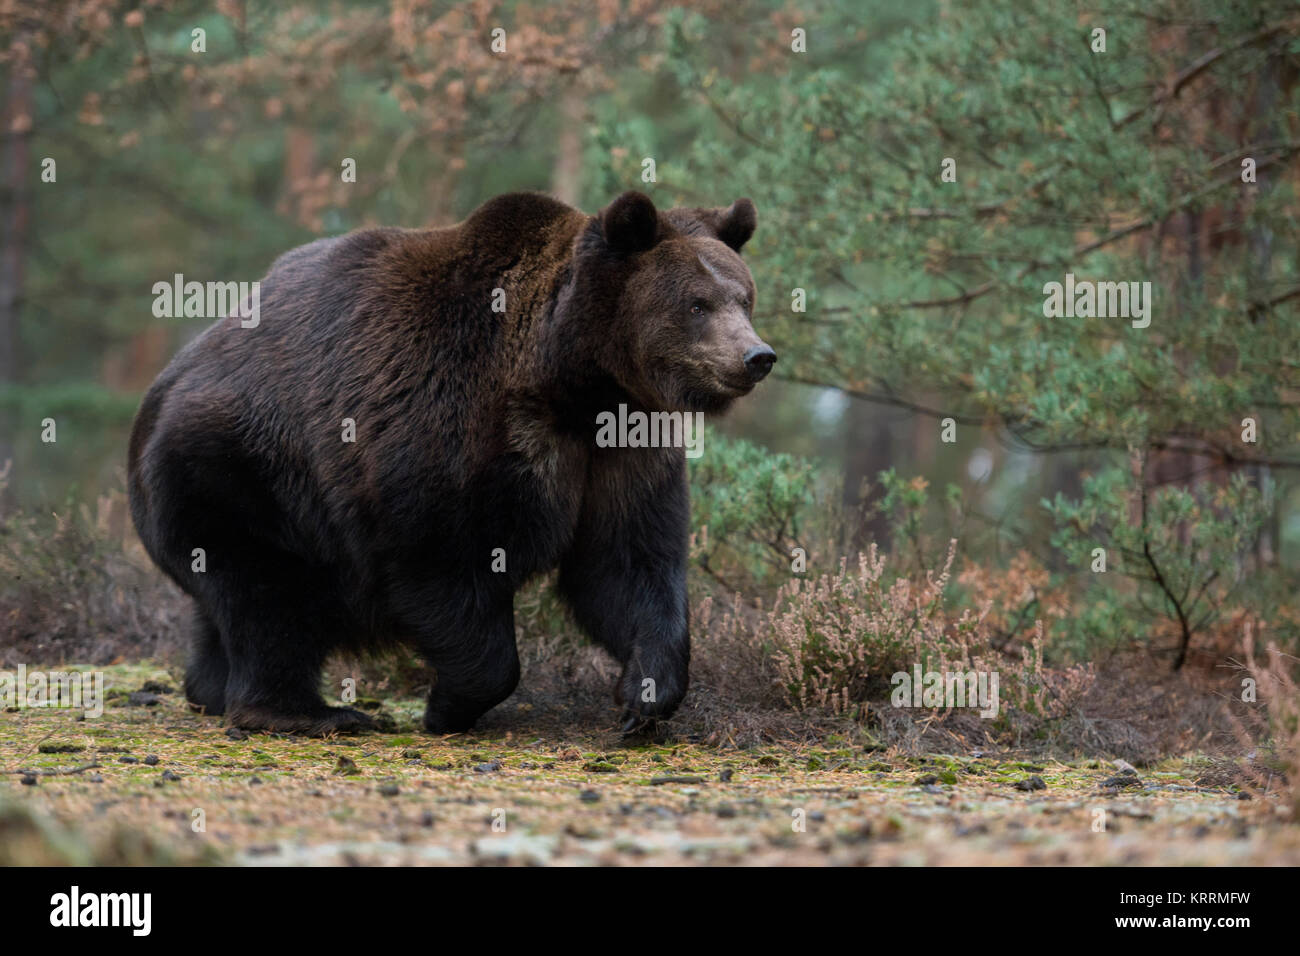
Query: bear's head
[[680, 300]]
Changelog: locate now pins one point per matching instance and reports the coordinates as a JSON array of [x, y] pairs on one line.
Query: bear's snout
[[759, 361]]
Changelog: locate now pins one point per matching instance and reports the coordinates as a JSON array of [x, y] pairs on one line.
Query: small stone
[[1123, 780], [346, 765], [128, 759], [151, 760], [29, 780], [389, 790], [492, 766], [1031, 783], [589, 796]]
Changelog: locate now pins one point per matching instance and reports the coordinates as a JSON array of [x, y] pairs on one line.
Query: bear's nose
[[759, 361]]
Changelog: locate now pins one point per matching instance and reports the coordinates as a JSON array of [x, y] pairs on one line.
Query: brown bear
[[407, 435]]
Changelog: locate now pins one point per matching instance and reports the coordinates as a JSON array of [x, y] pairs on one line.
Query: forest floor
[[151, 782]]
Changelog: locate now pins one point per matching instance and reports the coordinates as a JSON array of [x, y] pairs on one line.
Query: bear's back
[[388, 336]]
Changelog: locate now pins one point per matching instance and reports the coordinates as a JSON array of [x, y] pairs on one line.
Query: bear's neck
[[560, 369]]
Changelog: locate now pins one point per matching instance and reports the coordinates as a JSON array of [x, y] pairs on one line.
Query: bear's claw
[[637, 725]]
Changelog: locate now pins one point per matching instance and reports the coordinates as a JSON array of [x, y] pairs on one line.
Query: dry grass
[[77, 586], [1269, 728]]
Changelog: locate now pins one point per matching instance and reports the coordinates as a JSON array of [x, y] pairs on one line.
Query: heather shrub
[[835, 640], [76, 585], [1270, 727], [836, 634], [1017, 596]]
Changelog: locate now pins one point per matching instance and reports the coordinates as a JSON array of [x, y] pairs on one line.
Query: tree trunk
[[566, 177], [14, 214], [867, 452]]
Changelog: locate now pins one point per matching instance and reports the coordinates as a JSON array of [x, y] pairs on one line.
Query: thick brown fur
[[474, 431]]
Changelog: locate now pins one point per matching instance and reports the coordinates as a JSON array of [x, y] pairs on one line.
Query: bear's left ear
[[630, 223], [737, 222]]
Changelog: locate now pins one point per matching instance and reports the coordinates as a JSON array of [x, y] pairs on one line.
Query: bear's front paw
[[649, 694]]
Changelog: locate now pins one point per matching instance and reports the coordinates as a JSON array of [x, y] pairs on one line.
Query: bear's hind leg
[[277, 615], [207, 669], [477, 666], [279, 622]]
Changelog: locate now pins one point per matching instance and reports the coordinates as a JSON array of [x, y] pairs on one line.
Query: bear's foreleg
[[625, 579]]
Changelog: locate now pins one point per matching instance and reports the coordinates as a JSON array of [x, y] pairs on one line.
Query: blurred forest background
[[1169, 156]]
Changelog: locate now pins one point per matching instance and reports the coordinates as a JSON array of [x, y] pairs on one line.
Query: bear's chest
[[528, 505]]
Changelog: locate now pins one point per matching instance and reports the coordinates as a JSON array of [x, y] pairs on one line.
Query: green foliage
[[915, 283], [913, 517], [751, 508], [1186, 551], [931, 293]]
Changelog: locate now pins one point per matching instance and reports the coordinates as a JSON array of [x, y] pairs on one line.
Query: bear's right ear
[[630, 223]]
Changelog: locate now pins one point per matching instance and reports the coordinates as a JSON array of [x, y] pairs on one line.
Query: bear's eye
[[697, 308]]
